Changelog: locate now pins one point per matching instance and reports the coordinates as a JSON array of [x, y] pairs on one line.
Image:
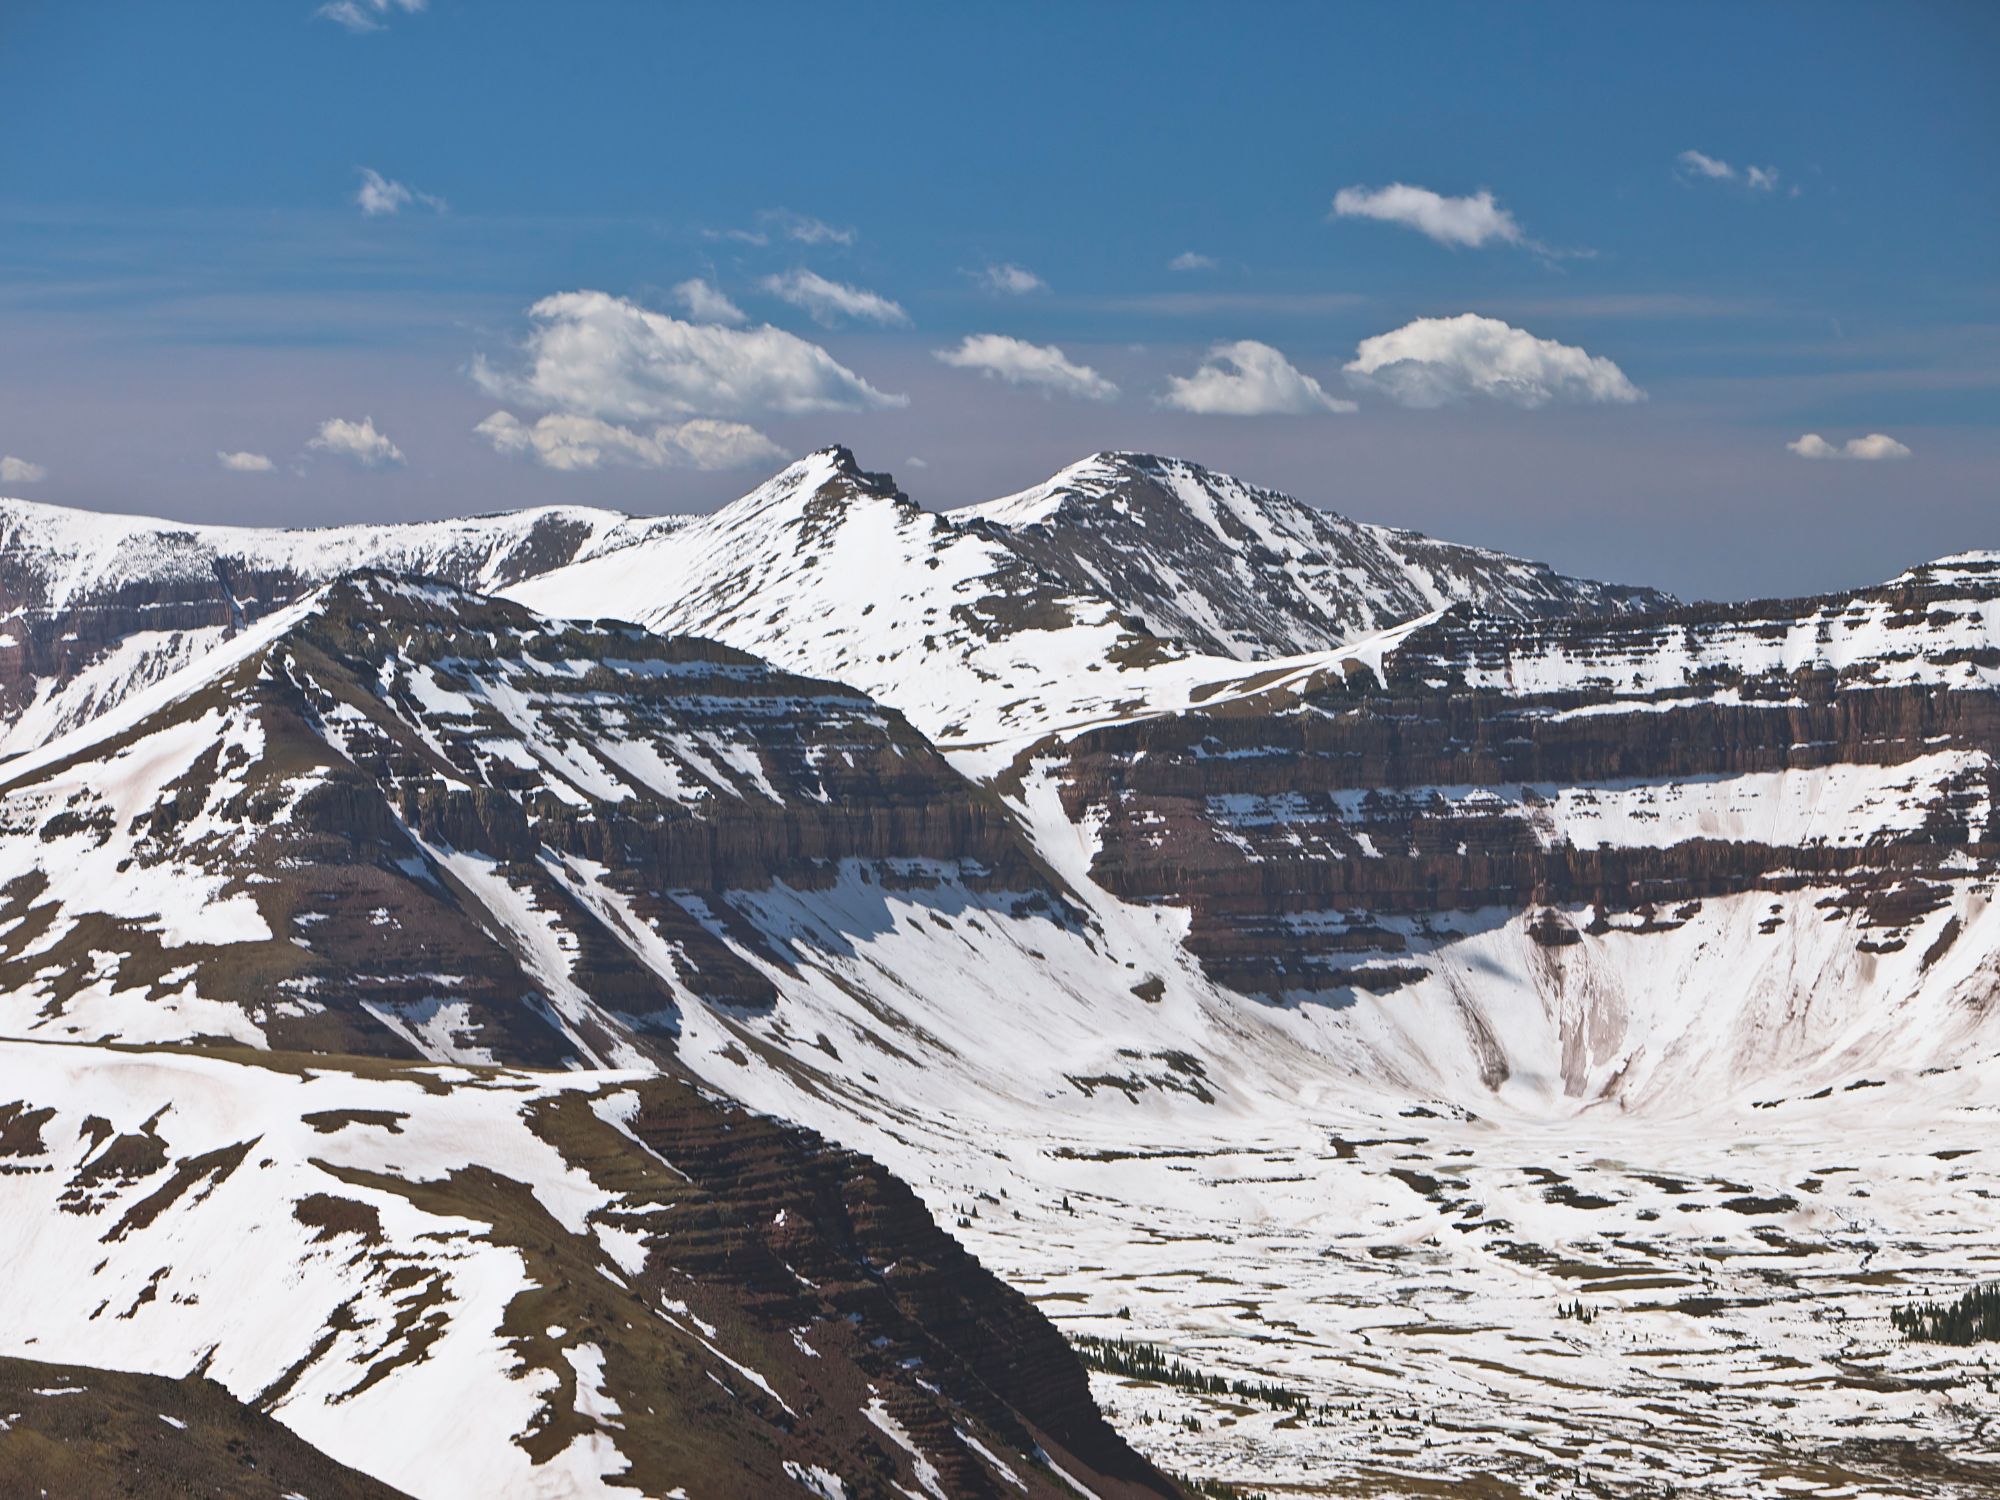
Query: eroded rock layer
[[1630, 766]]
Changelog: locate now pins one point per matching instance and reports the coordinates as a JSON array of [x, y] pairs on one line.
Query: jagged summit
[[804, 499], [844, 462], [835, 572], [1239, 570]]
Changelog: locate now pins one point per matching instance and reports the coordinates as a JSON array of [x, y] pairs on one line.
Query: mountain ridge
[[1239, 570], [95, 606]]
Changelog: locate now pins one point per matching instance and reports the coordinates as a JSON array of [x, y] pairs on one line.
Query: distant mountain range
[[1113, 555]]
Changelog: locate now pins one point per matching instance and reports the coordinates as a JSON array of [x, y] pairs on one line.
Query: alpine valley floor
[[1515, 1295], [1505, 1306]]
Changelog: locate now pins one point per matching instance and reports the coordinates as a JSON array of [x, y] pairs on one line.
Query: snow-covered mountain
[[1123, 579], [1241, 571], [1543, 1037], [93, 607], [475, 1282], [832, 571], [981, 624], [398, 820]]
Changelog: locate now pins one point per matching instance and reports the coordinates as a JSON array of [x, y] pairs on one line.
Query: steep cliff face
[[1235, 570], [94, 607], [486, 1283], [400, 818], [1333, 836]]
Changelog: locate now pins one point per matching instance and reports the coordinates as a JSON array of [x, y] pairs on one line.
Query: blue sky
[[977, 243]]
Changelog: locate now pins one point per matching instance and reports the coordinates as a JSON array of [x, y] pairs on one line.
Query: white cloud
[[1010, 280], [19, 471], [1757, 179], [599, 355], [1450, 221], [1189, 260], [1876, 445], [358, 441], [379, 195], [827, 302], [244, 463], [1705, 166], [807, 230], [1435, 361], [364, 15], [1249, 379], [913, 462], [1020, 363], [782, 223], [708, 304], [1869, 449], [569, 442]]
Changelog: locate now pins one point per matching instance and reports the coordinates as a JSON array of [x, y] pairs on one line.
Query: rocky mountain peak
[[1239, 570], [815, 493]]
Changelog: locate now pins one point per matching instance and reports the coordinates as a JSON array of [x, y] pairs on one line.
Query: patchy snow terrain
[[1521, 1038], [493, 1283]]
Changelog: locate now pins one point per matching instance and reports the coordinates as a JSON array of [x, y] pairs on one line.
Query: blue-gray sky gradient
[[186, 268]]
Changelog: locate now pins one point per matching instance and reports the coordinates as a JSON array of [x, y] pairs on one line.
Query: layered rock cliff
[[404, 818], [1332, 835]]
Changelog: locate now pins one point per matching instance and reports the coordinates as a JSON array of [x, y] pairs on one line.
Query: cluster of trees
[[1972, 1319], [1137, 1360], [1216, 1489]]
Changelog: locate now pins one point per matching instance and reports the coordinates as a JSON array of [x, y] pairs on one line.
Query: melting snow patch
[[822, 1482], [999, 1466], [920, 1463]]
